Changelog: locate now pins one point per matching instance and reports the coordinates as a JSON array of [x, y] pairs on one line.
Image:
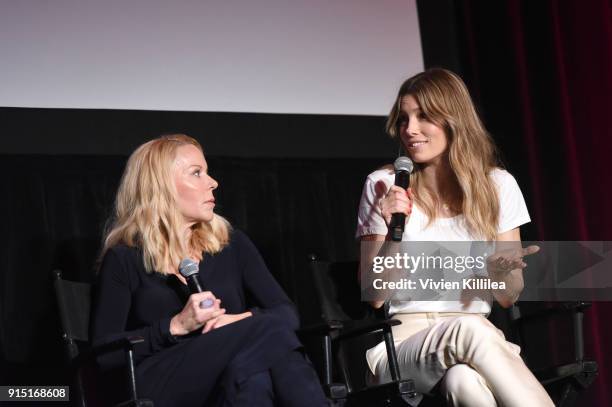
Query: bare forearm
[[376, 246], [514, 286]]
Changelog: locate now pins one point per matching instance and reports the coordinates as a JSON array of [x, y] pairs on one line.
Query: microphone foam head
[[188, 267], [403, 164]]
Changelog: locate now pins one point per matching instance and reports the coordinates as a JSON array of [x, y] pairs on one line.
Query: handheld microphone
[[403, 167], [189, 269]]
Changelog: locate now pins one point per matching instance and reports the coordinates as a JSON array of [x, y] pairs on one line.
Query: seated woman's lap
[[429, 344], [187, 372]]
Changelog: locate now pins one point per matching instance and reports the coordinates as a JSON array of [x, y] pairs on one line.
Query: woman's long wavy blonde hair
[[146, 214], [445, 101]]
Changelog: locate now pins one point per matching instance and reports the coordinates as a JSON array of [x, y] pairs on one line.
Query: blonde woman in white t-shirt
[[457, 192]]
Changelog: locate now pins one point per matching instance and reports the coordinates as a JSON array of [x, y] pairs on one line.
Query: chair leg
[[391, 354], [80, 390], [131, 374], [335, 392], [567, 396], [327, 359]]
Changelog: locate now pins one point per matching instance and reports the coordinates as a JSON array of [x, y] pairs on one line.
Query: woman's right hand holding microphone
[[195, 313], [397, 200]]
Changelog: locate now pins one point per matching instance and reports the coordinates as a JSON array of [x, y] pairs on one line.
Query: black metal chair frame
[[333, 332], [74, 301], [574, 377]]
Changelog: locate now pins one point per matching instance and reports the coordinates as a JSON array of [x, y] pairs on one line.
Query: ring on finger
[[207, 303]]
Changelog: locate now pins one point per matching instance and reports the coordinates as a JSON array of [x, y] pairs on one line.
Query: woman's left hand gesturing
[[502, 262], [507, 266]]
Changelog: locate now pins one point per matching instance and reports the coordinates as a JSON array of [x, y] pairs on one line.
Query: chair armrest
[[125, 344], [584, 371], [121, 343], [320, 328], [347, 329], [565, 307], [360, 327]]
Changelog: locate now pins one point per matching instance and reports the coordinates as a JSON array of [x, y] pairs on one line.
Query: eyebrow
[[407, 112], [198, 166]]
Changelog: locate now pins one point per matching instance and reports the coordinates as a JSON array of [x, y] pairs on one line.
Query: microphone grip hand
[[396, 207], [193, 316]]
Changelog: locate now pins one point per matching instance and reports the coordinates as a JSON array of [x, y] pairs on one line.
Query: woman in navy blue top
[[242, 350]]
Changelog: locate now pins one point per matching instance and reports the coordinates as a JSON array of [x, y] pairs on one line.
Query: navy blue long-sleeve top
[[129, 301]]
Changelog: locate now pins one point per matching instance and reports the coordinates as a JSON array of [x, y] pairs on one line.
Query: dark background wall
[[292, 182], [119, 132]]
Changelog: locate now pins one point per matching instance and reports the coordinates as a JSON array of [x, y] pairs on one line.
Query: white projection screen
[[272, 56]]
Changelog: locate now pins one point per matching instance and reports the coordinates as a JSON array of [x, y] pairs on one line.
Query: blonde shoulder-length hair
[[146, 214], [446, 102]]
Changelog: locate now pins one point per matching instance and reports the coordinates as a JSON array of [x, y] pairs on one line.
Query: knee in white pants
[[463, 386], [475, 326]]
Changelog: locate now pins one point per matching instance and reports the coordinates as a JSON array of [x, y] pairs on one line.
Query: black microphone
[[403, 167], [190, 270]]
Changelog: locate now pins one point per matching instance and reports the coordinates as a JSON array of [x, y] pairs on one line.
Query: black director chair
[[567, 374], [348, 329], [344, 326], [74, 303]]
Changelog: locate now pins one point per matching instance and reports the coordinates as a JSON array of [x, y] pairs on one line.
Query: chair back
[[338, 291], [339, 299], [91, 386], [73, 302]]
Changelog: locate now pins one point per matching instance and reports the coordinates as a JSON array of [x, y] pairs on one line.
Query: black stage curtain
[[56, 207], [223, 134], [540, 70]]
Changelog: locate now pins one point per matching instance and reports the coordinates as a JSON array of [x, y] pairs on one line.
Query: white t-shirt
[[513, 213]]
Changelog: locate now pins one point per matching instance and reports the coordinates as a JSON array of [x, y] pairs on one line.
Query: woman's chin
[[418, 158], [203, 217], [425, 160], [208, 217]]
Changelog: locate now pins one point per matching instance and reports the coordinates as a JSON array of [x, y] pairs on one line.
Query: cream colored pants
[[466, 354]]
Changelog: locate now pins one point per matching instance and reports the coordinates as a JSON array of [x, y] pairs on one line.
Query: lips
[[416, 143]]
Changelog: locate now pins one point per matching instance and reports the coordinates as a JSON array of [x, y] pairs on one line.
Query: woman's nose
[[412, 127], [213, 183]]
